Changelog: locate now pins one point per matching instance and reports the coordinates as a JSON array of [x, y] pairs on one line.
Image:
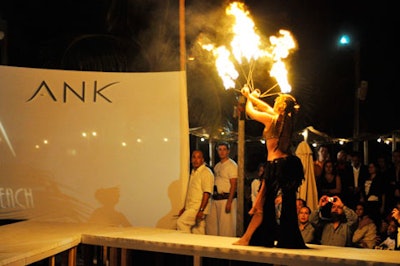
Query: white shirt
[[201, 180], [223, 173], [356, 173]]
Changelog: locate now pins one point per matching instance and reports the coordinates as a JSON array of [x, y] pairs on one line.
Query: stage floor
[[29, 241]]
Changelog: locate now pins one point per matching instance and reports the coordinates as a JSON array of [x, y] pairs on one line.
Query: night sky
[[322, 74], [325, 72]]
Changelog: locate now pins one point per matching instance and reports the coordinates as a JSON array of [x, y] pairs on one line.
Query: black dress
[[285, 174]]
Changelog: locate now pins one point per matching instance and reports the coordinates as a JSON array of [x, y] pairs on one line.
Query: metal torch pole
[[241, 147]]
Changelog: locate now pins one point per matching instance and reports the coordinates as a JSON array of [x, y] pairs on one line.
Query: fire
[[246, 48], [281, 47], [225, 67], [245, 43]]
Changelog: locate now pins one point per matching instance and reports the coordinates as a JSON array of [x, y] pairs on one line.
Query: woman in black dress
[[283, 175]]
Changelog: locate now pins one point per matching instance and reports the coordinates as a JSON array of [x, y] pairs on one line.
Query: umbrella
[[308, 190]]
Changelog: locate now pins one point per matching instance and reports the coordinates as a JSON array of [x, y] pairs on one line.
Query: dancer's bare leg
[[256, 219]]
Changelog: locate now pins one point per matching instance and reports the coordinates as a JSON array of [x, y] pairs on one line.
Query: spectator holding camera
[[334, 222]]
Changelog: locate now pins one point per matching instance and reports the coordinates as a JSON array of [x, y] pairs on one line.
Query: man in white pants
[[201, 181], [221, 220]]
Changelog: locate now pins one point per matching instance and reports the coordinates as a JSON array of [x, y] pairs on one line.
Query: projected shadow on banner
[[168, 221], [107, 214]]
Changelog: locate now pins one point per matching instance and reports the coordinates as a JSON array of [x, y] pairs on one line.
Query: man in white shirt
[[222, 218], [192, 215]]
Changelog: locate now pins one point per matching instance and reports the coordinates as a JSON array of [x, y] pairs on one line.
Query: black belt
[[222, 196]]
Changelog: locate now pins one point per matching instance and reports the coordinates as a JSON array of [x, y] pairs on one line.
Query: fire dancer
[[283, 175]]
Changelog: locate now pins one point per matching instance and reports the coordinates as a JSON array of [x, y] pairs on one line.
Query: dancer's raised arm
[[256, 108]]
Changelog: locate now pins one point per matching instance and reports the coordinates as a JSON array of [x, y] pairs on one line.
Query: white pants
[[187, 223], [220, 223]]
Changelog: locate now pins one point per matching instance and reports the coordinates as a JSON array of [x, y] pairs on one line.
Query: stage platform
[[28, 242]]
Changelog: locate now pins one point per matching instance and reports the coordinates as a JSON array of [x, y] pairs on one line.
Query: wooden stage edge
[[27, 242]]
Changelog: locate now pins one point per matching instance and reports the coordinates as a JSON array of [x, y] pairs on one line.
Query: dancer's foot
[[241, 242]]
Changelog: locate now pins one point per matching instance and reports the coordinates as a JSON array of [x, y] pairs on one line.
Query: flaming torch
[[246, 48]]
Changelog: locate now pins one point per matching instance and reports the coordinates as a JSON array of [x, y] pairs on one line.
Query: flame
[[281, 47], [225, 67], [245, 43], [246, 46]]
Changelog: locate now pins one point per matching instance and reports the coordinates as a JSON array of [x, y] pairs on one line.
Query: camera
[[331, 199]]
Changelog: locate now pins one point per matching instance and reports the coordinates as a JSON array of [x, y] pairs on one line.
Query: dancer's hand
[[253, 210], [256, 93], [245, 91]]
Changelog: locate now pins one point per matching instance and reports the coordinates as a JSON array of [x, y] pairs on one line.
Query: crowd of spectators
[[358, 204]]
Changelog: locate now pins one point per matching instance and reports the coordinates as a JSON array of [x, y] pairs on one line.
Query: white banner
[[93, 146]]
